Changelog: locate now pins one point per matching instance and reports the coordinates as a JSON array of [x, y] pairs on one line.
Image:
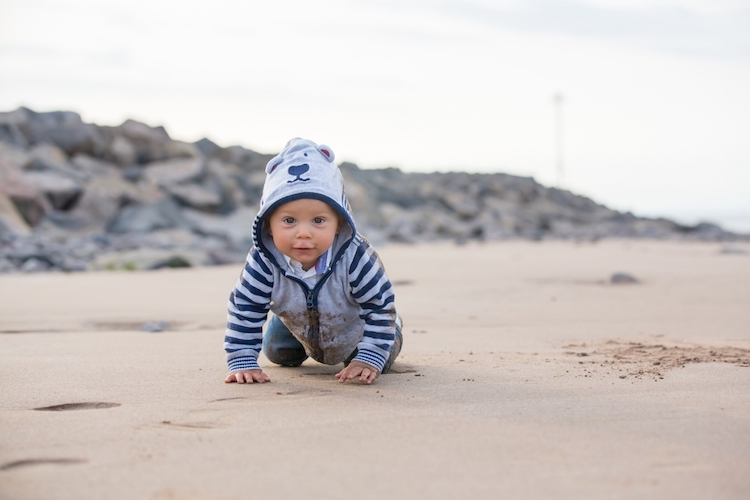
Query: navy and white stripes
[[248, 308], [373, 292], [368, 286]]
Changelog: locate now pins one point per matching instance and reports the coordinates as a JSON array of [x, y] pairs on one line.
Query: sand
[[524, 374]]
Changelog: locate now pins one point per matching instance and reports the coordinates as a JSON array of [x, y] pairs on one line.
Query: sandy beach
[[525, 373]]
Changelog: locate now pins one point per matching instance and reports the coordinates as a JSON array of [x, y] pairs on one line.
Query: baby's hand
[[365, 372], [247, 376]]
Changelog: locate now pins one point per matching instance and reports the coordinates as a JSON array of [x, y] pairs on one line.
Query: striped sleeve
[[373, 292], [247, 311]]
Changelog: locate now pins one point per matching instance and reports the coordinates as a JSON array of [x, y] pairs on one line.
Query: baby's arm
[[365, 372], [247, 377], [248, 308]]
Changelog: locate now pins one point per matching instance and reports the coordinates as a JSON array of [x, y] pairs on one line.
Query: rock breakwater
[[76, 196]]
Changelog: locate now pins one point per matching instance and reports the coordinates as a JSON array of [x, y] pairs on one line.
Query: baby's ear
[[327, 152]]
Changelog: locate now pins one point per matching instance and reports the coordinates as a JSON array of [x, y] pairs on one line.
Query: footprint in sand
[[78, 406], [41, 461]]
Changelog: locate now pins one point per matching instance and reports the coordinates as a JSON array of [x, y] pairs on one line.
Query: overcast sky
[[655, 112]]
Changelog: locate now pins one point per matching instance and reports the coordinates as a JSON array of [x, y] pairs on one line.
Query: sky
[[653, 114]]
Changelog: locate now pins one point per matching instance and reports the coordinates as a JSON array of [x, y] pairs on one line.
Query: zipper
[[310, 304]]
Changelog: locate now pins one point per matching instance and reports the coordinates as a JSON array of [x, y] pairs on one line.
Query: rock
[[194, 196], [148, 142], [48, 157], [35, 265], [11, 221], [236, 228], [149, 259], [89, 167], [61, 191], [12, 158], [179, 149], [27, 200], [122, 151], [11, 134], [622, 279], [99, 205], [207, 147], [66, 130], [155, 326], [169, 172], [89, 190], [162, 214]]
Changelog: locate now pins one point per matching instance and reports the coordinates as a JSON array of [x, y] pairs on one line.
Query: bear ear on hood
[[301, 144], [275, 162], [327, 152]]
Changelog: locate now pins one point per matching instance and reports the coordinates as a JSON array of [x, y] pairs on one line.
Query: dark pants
[[280, 346]]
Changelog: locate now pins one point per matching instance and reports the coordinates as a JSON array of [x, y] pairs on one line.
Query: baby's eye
[[288, 220], [319, 220]]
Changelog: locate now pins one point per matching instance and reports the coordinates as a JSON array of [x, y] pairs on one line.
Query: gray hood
[[303, 169]]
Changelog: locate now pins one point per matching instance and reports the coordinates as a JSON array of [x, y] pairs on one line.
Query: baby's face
[[304, 229]]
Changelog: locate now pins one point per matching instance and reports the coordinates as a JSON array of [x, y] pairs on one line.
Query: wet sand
[[525, 373]]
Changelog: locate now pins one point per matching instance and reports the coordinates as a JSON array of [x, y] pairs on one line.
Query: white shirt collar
[[319, 267]]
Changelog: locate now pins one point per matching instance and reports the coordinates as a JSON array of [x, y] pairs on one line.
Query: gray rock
[[61, 191], [100, 204], [10, 133], [149, 259], [170, 172], [195, 196], [122, 151], [27, 200], [622, 279], [89, 167], [207, 147], [64, 129], [12, 159], [35, 265], [155, 326], [148, 142], [236, 228], [162, 214], [179, 149], [11, 221]]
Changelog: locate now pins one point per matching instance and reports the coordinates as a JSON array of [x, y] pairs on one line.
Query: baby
[[324, 283]]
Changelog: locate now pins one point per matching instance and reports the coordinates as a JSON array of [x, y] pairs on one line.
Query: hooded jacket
[[352, 304]]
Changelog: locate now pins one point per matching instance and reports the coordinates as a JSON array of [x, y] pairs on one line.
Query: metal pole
[[559, 136]]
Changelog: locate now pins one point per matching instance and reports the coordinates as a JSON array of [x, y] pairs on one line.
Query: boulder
[[89, 167], [15, 125], [99, 205], [179, 149], [170, 172], [31, 205], [122, 151], [12, 158], [162, 214], [236, 228], [150, 259], [148, 142], [195, 196], [61, 191], [48, 157], [11, 221], [64, 129], [207, 147]]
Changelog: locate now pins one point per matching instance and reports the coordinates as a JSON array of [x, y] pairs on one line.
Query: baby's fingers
[[368, 376]]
